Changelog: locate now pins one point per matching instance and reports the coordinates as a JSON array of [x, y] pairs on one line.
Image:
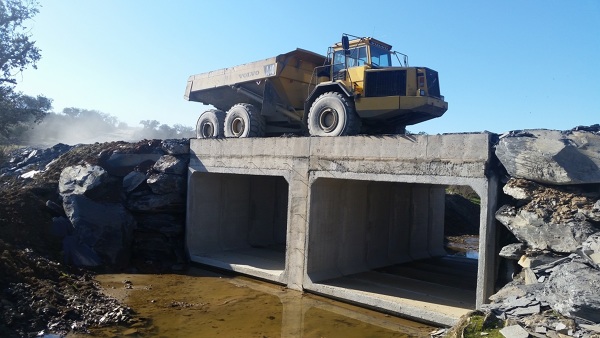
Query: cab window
[[380, 57], [357, 57]]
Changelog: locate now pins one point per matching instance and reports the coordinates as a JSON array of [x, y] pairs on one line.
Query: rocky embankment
[[553, 211], [103, 207], [121, 207]]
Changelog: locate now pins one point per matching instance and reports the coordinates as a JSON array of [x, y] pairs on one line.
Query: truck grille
[[385, 83]]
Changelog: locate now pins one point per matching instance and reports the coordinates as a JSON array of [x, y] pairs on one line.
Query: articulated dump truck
[[361, 86]]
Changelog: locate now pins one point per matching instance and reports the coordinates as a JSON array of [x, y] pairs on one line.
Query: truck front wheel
[[243, 120], [210, 124], [332, 114]]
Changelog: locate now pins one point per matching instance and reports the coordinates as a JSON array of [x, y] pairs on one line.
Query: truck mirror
[[346, 44]]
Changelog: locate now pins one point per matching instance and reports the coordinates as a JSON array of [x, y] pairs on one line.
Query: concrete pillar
[[297, 223], [486, 272]]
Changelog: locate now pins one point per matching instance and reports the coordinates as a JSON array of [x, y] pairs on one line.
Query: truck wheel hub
[[328, 120], [208, 130], [237, 126]]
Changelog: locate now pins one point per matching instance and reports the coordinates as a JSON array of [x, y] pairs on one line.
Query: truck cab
[[381, 89]]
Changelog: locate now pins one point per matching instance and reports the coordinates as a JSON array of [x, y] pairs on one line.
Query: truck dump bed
[[289, 76]]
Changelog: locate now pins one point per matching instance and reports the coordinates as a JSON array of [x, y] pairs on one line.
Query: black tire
[[243, 120], [332, 114], [210, 124]]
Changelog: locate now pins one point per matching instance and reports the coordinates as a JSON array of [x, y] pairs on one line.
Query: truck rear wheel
[[332, 114], [243, 120], [210, 124]]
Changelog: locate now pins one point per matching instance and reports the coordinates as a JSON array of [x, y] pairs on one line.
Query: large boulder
[[133, 181], [170, 164], [167, 224], [152, 203], [121, 161], [539, 234], [162, 183], [559, 218], [572, 290], [551, 156], [81, 179], [106, 228]]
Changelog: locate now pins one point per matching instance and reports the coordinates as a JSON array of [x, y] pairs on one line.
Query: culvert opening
[[386, 244], [238, 222], [461, 221]]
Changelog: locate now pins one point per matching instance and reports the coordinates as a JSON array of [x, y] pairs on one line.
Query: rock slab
[[551, 156], [580, 299]]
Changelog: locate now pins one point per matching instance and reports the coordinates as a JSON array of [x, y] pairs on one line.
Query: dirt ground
[[37, 293]]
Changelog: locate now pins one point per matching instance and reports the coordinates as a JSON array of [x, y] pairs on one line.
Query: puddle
[[465, 246], [207, 304]]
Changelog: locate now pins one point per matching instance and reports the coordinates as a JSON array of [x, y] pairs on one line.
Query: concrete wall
[[357, 226], [236, 212], [353, 204]]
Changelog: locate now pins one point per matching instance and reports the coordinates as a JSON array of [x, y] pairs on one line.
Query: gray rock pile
[[554, 214], [127, 208], [28, 161]]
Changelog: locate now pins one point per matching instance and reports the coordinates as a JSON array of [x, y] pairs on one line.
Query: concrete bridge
[[360, 219]]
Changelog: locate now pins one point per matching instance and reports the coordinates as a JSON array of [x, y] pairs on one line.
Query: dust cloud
[[78, 126]]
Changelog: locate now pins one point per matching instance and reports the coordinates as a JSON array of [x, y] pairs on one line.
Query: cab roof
[[365, 41]]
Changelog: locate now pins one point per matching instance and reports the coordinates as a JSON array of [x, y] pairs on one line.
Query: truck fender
[[320, 89]]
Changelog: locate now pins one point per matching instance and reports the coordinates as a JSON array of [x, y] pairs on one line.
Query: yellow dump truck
[[361, 86]]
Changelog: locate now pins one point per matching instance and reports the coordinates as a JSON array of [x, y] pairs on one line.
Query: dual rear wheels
[[210, 124], [242, 120], [331, 114]]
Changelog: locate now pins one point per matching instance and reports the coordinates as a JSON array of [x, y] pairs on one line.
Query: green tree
[[17, 50], [18, 112]]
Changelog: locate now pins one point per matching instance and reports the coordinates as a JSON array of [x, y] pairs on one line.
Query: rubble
[[539, 234], [31, 159], [79, 203], [550, 218], [40, 297], [553, 210], [112, 225]]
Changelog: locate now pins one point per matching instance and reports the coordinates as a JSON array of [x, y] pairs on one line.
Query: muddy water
[[206, 304]]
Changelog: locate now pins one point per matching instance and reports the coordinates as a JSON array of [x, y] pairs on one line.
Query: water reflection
[[206, 304], [464, 246]]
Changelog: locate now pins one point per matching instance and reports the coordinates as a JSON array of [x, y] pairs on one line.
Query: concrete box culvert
[[340, 194], [239, 223], [361, 231]]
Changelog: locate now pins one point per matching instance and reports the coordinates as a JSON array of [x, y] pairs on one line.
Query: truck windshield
[[380, 57], [357, 57]]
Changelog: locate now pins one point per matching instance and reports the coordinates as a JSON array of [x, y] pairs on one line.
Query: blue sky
[[503, 65]]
